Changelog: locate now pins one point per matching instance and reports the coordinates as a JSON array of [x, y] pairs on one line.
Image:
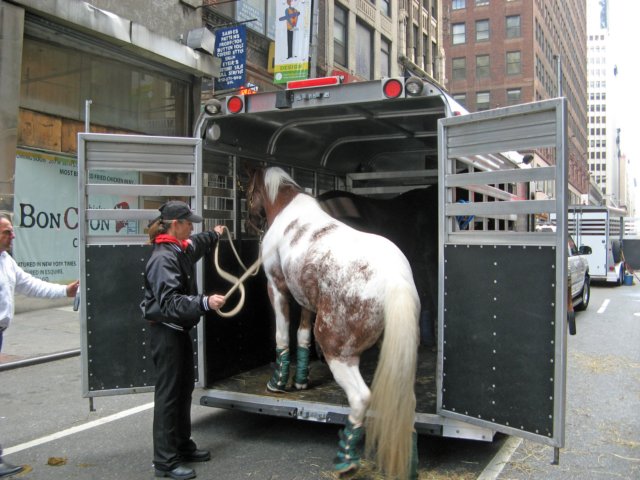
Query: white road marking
[[66, 309], [604, 305], [497, 463], [77, 429]]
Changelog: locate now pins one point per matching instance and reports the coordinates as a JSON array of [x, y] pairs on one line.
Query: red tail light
[[314, 82], [235, 104], [392, 88]]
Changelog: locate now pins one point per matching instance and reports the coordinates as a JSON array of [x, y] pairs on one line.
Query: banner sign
[[45, 217], [293, 37], [231, 49]]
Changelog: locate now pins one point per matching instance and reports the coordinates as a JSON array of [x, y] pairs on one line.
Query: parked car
[[579, 278]]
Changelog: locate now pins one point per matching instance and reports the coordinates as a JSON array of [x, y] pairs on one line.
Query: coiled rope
[[238, 283]]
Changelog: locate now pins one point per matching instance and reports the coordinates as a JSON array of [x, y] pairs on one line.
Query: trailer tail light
[[314, 82], [393, 87], [235, 104]]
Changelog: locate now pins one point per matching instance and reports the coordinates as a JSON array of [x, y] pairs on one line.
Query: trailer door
[[122, 181], [502, 288]]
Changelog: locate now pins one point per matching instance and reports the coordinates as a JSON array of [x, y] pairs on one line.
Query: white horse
[[359, 285]]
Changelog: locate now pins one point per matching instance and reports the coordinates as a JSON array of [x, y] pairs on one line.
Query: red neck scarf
[[166, 238]]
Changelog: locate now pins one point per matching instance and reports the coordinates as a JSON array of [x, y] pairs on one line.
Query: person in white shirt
[[13, 279]]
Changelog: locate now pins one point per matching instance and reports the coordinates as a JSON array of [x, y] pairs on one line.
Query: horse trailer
[[602, 229], [492, 288]]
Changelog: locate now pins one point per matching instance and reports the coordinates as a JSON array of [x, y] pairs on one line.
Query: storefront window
[[57, 80]]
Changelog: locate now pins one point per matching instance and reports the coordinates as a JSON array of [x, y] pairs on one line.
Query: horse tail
[[390, 425]]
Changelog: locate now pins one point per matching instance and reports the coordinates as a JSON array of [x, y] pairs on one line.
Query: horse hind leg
[[304, 350], [358, 394]]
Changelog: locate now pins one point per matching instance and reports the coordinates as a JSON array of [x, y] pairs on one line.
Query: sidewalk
[[41, 328]]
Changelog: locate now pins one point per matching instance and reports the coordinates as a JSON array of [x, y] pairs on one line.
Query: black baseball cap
[[177, 210]]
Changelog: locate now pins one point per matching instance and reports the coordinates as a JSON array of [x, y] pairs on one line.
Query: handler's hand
[[215, 301], [72, 288], [219, 229]]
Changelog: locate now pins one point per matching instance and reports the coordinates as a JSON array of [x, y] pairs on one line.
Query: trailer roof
[[345, 134]]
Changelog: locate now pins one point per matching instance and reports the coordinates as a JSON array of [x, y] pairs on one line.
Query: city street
[[46, 425]]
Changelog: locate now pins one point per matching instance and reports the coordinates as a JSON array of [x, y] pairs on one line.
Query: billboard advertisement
[[45, 218], [293, 37], [231, 49]]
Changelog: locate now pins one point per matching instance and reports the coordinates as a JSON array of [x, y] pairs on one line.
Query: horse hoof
[[346, 468], [274, 388], [301, 386]]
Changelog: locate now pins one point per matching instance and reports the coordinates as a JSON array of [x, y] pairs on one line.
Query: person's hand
[[216, 301], [72, 288], [219, 229]]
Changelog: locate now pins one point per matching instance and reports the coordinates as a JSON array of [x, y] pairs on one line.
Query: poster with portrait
[[293, 37]]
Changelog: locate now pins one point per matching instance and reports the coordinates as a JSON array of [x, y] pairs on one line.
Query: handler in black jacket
[[173, 307]]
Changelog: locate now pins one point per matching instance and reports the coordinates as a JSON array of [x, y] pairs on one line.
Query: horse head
[[255, 195], [268, 192]]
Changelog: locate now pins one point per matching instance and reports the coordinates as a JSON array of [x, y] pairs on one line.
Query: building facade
[[69, 63], [606, 164], [356, 39], [505, 52]]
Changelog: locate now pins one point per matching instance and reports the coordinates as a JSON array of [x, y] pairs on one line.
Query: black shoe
[[196, 456], [6, 469], [179, 473]]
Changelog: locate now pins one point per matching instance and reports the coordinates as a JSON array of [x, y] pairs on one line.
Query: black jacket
[[171, 290]]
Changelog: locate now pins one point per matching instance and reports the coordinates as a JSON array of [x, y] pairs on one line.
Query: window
[[514, 96], [514, 66], [385, 55], [458, 4], [461, 98], [481, 2], [340, 36], [134, 97], [364, 51], [425, 51], [459, 68], [434, 60], [483, 100], [482, 66], [386, 7], [458, 34], [482, 30], [257, 14], [513, 26]]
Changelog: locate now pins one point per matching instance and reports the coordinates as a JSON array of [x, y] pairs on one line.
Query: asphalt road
[[45, 420]]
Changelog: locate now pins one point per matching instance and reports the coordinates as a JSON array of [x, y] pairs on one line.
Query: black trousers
[[289, 43], [172, 353]]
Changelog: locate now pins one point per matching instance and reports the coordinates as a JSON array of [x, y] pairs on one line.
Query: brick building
[[504, 52]]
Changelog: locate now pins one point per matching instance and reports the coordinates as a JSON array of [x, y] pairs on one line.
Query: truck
[[499, 360], [602, 229]]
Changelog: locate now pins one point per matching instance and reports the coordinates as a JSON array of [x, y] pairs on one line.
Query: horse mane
[[274, 178]]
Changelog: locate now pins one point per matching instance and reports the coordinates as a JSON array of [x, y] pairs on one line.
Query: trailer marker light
[[314, 82], [235, 104], [392, 88], [414, 86]]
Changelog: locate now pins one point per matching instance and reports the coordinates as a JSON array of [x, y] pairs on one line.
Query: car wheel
[[620, 280], [585, 295]]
